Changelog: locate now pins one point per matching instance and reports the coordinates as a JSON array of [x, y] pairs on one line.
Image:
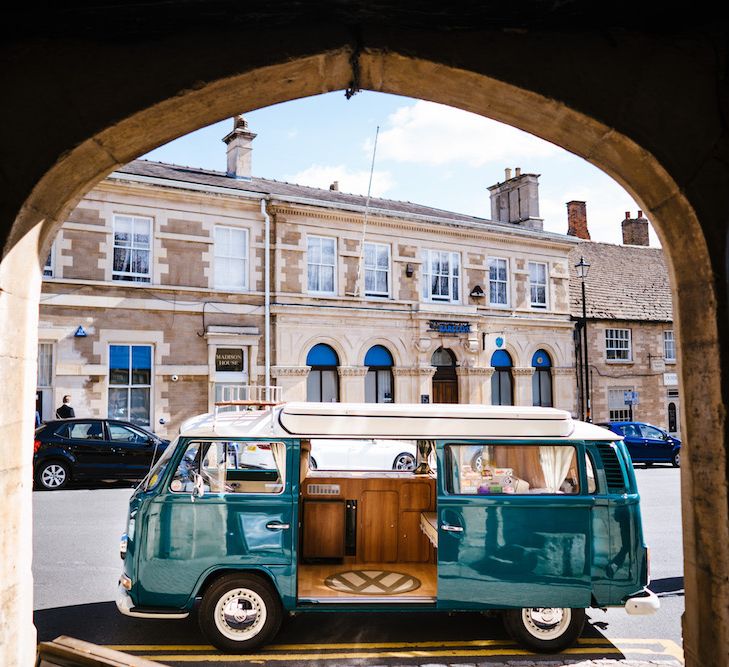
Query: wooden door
[[445, 391], [323, 529], [378, 527]]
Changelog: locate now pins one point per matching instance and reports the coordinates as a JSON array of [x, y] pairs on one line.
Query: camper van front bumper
[[125, 605], [642, 604]]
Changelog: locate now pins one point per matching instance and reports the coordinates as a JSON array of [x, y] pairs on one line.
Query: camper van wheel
[[404, 461], [545, 629], [240, 612]]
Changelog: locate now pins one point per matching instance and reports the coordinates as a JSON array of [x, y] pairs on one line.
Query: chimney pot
[[517, 172], [640, 213], [240, 149], [627, 215], [334, 186], [507, 174]]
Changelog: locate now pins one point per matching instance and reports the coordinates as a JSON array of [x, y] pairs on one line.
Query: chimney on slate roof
[[240, 149], [577, 220], [516, 200], [635, 230]]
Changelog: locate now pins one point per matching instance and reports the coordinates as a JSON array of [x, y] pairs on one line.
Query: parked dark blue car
[[92, 449], [647, 443]]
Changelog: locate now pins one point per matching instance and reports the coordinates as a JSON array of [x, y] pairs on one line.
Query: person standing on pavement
[[65, 411]]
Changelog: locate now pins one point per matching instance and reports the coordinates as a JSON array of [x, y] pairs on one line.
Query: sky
[[425, 153]]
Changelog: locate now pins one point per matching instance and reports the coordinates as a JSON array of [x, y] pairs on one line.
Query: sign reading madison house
[[453, 328], [228, 359]]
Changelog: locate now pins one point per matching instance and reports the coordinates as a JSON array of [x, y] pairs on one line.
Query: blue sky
[[426, 153]]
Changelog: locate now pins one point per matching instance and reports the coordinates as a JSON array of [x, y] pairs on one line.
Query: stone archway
[[410, 62]]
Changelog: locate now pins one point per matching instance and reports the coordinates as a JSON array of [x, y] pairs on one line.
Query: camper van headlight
[[123, 545]]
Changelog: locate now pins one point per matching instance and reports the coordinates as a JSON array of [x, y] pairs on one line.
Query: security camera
[[162, 421], [175, 378]]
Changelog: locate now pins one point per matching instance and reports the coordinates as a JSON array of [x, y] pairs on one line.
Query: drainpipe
[[267, 295]]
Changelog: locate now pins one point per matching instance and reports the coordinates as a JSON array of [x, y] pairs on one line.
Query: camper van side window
[[512, 469], [231, 467]]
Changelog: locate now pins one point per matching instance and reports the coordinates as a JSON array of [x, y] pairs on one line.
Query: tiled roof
[[323, 197], [623, 283]]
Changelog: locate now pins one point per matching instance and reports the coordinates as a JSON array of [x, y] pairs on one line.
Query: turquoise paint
[[515, 551]]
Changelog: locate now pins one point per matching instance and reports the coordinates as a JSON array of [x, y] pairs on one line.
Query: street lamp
[[582, 268]]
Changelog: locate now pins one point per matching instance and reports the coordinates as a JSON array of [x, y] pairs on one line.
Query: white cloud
[[433, 134], [354, 182]]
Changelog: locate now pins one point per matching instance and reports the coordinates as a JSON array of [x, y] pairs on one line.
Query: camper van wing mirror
[[423, 450]]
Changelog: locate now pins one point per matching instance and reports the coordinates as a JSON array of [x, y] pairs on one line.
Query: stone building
[[631, 341], [156, 301]]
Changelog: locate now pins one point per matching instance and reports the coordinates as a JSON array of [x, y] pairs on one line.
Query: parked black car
[[92, 449]]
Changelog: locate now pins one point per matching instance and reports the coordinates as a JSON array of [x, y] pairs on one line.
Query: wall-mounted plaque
[[229, 359]]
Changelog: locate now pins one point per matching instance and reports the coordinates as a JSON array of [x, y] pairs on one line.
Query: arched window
[[445, 381], [322, 385], [542, 379], [378, 381], [502, 392]]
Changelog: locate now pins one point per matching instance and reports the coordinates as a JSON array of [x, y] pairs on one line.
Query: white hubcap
[[240, 614], [53, 476], [546, 622]]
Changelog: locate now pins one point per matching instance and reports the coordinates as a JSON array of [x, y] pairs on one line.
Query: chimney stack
[[516, 200], [577, 220], [334, 186], [635, 230], [240, 149]]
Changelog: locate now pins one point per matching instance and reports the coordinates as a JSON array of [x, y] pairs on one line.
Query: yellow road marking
[[303, 657]]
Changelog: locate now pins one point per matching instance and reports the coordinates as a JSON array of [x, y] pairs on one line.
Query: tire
[[545, 630], [404, 461], [52, 475], [240, 612], [477, 462], [676, 460]]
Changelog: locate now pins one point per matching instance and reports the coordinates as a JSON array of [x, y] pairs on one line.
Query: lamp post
[[582, 268]]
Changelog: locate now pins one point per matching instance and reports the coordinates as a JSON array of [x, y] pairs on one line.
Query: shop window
[[132, 248], [322, 384], [231, 258], [502, 390], [379, 380], [441, 276], [542, 379], [377, 269], [130, 383]]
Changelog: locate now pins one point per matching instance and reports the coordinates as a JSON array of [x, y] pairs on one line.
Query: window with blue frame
[[542, 379], [379, 380], [502, 386], [130, 383], [322, 384]]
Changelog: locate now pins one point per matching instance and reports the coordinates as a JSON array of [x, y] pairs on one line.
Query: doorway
[[445, 380]]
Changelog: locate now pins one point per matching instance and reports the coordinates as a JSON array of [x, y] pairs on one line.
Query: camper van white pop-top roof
[[393, 420]]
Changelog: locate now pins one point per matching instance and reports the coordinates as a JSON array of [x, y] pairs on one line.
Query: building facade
[[171, 288], [631, 342]]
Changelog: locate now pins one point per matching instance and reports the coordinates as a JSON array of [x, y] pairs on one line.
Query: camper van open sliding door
[[513, 526]]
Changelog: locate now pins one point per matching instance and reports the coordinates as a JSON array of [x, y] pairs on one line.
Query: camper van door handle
[[277, 525], [451, 529]]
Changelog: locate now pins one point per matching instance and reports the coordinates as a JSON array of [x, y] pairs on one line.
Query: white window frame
[[669, 345], [132, 276], [505, 282], [320, 239], [545, 285], [376, 269], [130, 384], [219, 256], [453, 276], [617, 410], [49, 268], [611, 336]]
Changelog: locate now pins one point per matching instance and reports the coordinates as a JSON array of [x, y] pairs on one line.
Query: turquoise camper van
[[520, 511]]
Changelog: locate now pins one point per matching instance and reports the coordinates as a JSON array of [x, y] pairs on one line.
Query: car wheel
[[676, 460], [52, 475], [545, 629], [240, 612], [477, 462], [404, 461]]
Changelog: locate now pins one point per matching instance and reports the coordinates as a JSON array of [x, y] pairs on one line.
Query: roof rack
[[247, 397]]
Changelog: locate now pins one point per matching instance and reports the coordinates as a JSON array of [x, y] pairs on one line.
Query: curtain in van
[[278, 449], [556, 462]]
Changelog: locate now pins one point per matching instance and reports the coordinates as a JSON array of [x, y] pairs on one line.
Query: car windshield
[[157, 472]]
